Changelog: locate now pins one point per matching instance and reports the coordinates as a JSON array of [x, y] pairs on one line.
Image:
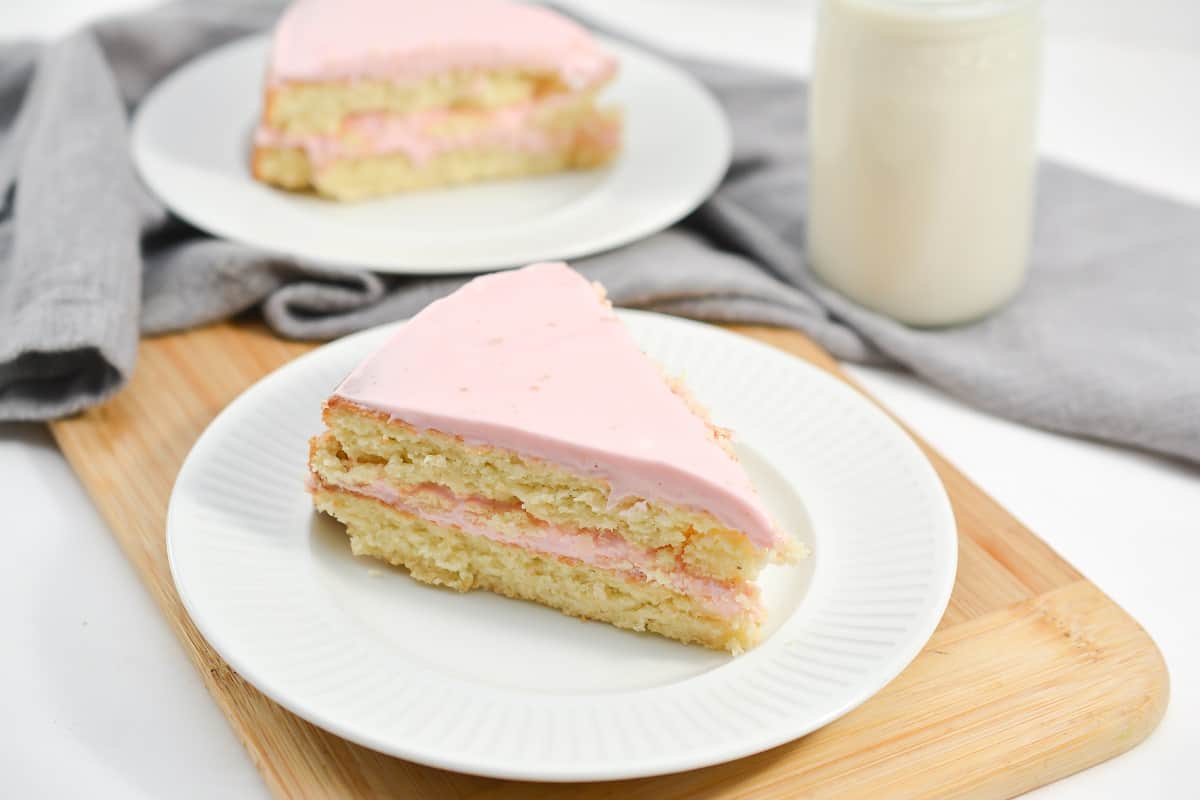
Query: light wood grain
[[1033, 673]]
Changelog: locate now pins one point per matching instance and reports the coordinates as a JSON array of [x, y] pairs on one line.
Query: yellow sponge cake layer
[[366, 449], [367, 176], [446, 556], [364, 177]]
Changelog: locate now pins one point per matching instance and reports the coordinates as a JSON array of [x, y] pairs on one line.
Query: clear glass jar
[[922, 118]]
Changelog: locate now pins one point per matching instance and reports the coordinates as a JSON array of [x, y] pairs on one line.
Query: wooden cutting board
[[1032, 675]]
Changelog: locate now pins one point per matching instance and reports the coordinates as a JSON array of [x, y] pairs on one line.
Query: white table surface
[[99, 699]]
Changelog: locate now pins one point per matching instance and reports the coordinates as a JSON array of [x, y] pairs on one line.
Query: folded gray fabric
[[1104, 340]]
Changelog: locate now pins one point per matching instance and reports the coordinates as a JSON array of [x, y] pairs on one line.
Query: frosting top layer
[[533, 361], [410, 39]]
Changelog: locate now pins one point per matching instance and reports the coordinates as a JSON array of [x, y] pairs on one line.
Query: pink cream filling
[[595, 548], [415, 135]]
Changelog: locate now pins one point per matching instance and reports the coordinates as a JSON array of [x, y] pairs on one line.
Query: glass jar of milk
[[922, 117]]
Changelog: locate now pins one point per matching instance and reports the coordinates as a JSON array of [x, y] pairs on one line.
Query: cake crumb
[[602, 294], [721, 437], [374, 573]]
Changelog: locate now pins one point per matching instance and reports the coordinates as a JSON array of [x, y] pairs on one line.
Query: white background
[[100, 701]]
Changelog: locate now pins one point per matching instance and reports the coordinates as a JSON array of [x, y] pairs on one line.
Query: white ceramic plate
[[192, 138], [482, 684]]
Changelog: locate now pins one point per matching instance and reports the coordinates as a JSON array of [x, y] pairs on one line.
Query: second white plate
[[191, 144], [482, 684]]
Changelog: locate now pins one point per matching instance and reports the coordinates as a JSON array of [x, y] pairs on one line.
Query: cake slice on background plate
[[512, 437], [370, 97]]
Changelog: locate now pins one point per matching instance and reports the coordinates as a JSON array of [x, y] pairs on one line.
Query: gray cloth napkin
[[1104, 340]]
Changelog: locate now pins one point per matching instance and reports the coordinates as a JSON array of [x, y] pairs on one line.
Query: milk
[[922, 117]]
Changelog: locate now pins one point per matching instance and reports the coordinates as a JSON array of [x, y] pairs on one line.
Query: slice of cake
[[369, 97], [512, 437]]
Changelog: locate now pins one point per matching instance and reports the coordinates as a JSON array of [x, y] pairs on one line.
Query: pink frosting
[[411, 39], [596, 548], [415, 135], [531, 361]]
